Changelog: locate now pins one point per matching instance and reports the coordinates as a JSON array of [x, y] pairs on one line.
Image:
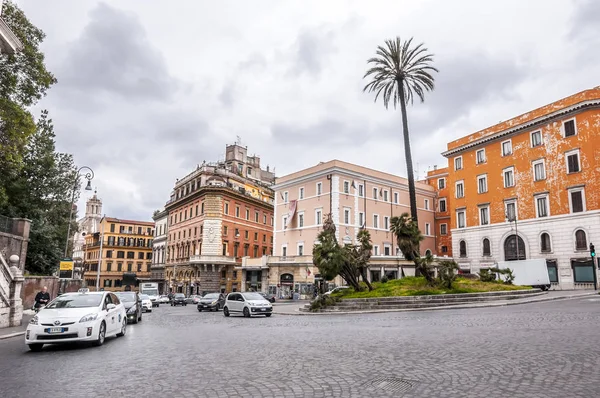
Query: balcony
[[208, 259]]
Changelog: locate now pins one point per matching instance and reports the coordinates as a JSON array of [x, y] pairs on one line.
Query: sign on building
[[66, 269]]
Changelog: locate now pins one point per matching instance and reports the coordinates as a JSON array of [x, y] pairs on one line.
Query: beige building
[[355, 196]]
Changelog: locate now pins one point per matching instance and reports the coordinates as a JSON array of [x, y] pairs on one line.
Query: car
[[211, 302], [146, 303], [178, 299], [133, 305], [269, 297], [336, 289], [248, 303], [91, 316], [164, 299], [193, 299]]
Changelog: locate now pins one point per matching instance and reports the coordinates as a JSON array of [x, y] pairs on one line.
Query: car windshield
[[211, 296], [151, 292], [126, 297], [180, 295], [144, 297], [76, 301], [253, 296]]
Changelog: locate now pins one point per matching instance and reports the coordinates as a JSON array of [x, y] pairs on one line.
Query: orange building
[[438, 179], [526, 188]]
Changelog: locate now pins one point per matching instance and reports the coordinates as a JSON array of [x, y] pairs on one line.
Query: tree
[[361, 254], [399, 73], [24, 78], [409, 238], [447, 273]]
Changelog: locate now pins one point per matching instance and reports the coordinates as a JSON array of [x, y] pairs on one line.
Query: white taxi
[[72, 317]]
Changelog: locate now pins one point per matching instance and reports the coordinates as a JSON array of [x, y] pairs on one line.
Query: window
[[509, 177], [285, 197], [482, 184], [580, 240], [319, 188], [107, 282], [386, 223], [346, 187], [569, 128], [247, 214], [361, 219], [246, 234], [265, 219], [443, 229], [552, 270], [246, 247], [545, 244], [576, 200], [300, 220], [120, 254], [202, 208], [256, 216], [427, 229], [375, 193], [376, 250], [140, 255], [361, 190], [284, 251], [426, 202], [375, 221], [572, 159], [462, 245], [264, 238], [301, 193], [130, 254], [387, 250], [487, 251], [224, 249], [536, 138], [119, 267], [510, 210], [112, 227], [583, 271], [481, 156], [237, 211], [506, 148], [441, 183], [385, 196], [442, 205], [109, 253], [255, 252], [539, 170], [256, 236], [108, 267], [460, 219], [396, 197], [284, 222], [458, 163], [226, 209], [346, 216], [484, 215], [541, 204], [318, 217], [460, 189], [444, 249], [301, 250]]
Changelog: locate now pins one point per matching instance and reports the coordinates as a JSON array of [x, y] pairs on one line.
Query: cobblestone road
[[538, 350]]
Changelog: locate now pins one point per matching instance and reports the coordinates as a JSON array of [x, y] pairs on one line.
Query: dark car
[[269, 297], [211, 302], [133, 305], [178, 299]]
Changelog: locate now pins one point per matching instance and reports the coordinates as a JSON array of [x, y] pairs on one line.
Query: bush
[[505, 273], [322, 301], [447, 273], [486, 276], [384, 279]]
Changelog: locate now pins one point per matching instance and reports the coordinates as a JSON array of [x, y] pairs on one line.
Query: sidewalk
[[15, 331], [552, 295]]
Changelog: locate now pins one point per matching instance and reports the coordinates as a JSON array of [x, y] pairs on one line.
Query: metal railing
[[6, 224]]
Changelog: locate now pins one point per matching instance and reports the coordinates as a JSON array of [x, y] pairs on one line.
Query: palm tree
[[408, 238], [399, 73]]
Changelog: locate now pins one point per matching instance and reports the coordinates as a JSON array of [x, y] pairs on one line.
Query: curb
[[448, 307], [8, 336]]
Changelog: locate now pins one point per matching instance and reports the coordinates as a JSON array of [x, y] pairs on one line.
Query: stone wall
[[56, 286]]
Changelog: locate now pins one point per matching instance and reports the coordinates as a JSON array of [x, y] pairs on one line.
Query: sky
[[149, 89]]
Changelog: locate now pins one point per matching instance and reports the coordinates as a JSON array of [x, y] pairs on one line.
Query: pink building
[[355, 196]]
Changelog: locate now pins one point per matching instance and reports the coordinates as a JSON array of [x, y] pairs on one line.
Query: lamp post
[[88, 176]]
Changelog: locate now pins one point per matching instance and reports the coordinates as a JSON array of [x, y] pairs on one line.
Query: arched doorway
[[510, 248], [286, 282]]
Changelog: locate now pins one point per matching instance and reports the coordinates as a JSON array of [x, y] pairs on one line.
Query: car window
[[114, 299], [232, 297], [107, 300]]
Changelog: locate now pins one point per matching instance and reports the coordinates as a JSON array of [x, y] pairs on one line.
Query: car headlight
[[131, 310], [89, 317], [214, 302], [34, 320]]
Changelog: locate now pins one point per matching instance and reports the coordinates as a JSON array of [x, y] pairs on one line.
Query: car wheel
[[246, 312], [140, 318], [123, 328], [225, 311], [101, 335], [36, 347], [268, 315], [199, 309], [157, 305]]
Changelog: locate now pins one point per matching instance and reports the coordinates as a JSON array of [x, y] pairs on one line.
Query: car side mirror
[[110, 306]]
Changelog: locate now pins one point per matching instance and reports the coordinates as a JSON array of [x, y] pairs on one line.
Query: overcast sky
[[148, 89]]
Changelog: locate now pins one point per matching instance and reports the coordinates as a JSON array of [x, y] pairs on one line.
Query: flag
[[353, 184], [380, 192], [307, 271], [281, 193]]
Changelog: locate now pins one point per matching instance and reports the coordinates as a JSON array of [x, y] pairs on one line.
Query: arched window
[[463, 248], [545, 242], [580, 240], [427, 252], [487, 250], [512, 245]]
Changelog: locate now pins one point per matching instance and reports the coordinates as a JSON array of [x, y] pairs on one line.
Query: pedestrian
[[42, 298]]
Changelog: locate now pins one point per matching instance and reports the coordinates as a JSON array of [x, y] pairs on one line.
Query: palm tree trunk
[[409, 166]]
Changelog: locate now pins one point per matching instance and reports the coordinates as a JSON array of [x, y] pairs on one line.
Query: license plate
[[263, 309], [55, 330], [205, 306]]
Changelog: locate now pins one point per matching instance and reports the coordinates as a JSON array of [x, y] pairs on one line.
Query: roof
[[122, 221]]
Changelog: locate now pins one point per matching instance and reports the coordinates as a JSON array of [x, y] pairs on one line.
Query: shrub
[[505, 273], [321, 302], [447, 273], [486, 276], [384, 279]]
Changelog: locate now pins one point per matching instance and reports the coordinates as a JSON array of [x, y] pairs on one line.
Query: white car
[[146, 303], [72, 317], [249, 304], [164, 299]]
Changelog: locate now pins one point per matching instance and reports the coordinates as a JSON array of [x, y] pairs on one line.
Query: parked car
[[77, 317], [193, 299], [164, 299], [211, 302], [268, 296], [336, 289], [249, 304], [133, 305], [178, 299], [146, 303]]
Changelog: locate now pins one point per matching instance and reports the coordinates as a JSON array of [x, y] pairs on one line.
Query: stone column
[[16, 304]]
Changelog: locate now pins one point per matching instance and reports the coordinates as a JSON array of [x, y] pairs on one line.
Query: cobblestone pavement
[[545, 350]]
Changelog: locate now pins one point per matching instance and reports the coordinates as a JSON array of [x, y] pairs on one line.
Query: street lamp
[[88, 176], [511, 218]]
